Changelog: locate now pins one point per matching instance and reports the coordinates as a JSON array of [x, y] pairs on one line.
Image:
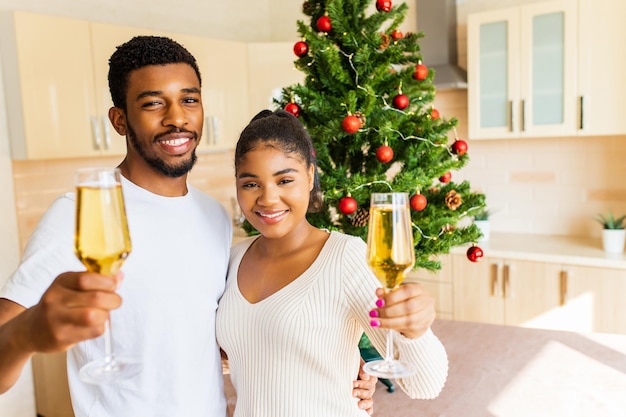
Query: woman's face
[[273, 190]]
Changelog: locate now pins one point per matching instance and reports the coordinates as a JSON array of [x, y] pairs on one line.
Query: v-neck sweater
[[295, 353]]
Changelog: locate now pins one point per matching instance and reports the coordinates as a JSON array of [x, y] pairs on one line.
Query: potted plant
[[613, 233], [481, 219]]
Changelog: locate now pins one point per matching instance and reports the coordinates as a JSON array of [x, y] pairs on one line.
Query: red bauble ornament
[[475, 253], [396, 35], [459, 147], [351, 124], [401, 101], [347, 205], [293, 108], [383, 5], [445, 178], [434, 114], [384, 154], [323, 24], [421, 72], [418, 202], [300, 49]]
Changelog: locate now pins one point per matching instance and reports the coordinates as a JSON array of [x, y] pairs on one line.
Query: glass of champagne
[[390, 254], [102, 243]]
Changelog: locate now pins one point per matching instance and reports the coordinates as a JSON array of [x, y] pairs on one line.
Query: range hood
[[437, 20]]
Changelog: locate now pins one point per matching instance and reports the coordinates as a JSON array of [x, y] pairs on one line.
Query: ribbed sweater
[[295, 353]]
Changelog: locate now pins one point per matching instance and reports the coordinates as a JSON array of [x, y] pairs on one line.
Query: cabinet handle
[[581, 112], [95, 133], [208, 126], [523, 115], [511, 116], [494, 280], [216, 130], [505, 281], [563, 288], [106, 128]]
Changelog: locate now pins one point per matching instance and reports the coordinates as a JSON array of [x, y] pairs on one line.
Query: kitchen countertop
[[582, 251], [554, 249]]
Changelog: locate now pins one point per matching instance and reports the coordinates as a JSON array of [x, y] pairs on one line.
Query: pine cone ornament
[[385, 40], [307, 8], [360, 218], [361, 117], [453, 200]]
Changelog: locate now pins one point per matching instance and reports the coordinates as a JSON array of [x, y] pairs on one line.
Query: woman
[[297, 297]]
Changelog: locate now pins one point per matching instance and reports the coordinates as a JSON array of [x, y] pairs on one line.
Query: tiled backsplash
[[549, 186], [38, 183]]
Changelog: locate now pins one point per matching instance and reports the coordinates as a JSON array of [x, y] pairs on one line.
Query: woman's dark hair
[[140, 52], [284, 131]]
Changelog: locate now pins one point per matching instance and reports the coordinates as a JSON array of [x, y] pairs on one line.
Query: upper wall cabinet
[[56, 82], [601, 65], [546, 69], [522, 71], [224, 71], [55, 73]]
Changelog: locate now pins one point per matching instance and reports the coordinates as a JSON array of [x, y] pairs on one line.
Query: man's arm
[[74, 308]]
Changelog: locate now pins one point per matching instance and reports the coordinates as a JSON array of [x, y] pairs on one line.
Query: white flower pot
[[485, 228], [613, 240]]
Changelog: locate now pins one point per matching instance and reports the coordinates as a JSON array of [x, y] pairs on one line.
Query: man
[[173, 278]]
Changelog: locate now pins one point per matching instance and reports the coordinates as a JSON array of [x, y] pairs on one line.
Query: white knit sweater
[[296, 353]]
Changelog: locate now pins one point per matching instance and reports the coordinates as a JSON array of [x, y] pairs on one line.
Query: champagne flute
[[102, 243], [390, 254]]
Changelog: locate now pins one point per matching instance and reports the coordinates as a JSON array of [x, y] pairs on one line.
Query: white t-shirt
[[173, 280], [295, 353]]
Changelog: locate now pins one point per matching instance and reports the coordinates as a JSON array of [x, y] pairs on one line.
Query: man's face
[[164, 117]]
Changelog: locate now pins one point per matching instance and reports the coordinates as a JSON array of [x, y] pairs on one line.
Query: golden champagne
[[390, 254], [102, 241], [390, 246]]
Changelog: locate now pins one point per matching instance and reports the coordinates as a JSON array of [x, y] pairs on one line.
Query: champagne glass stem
[[108, 343], [389, 353]]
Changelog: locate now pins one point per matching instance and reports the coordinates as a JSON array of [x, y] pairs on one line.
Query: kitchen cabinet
[[591, 300], [539, 294], [522, 71], [55, 73], [271, 67], [224, 71], [503, 291], [439, 285], [601, 81], [56, 76]]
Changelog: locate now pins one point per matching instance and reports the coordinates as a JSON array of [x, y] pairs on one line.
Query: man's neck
[[155, 182]]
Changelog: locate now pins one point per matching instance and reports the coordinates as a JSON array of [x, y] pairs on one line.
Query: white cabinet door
[[49, 86], [224, 70], [601, 63], [104, 40], [522, 71]]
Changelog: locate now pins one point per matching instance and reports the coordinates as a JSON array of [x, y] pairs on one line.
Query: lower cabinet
[[539, 294], [439, 284], [503, 291]]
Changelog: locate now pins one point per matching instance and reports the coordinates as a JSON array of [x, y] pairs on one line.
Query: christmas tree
[[367, 103]]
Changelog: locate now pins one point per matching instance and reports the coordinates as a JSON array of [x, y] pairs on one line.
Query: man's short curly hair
[[140, 52]]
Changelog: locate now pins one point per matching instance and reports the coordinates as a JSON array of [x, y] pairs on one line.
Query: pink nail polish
[[374, 323], [380, 302], [373, 313]]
